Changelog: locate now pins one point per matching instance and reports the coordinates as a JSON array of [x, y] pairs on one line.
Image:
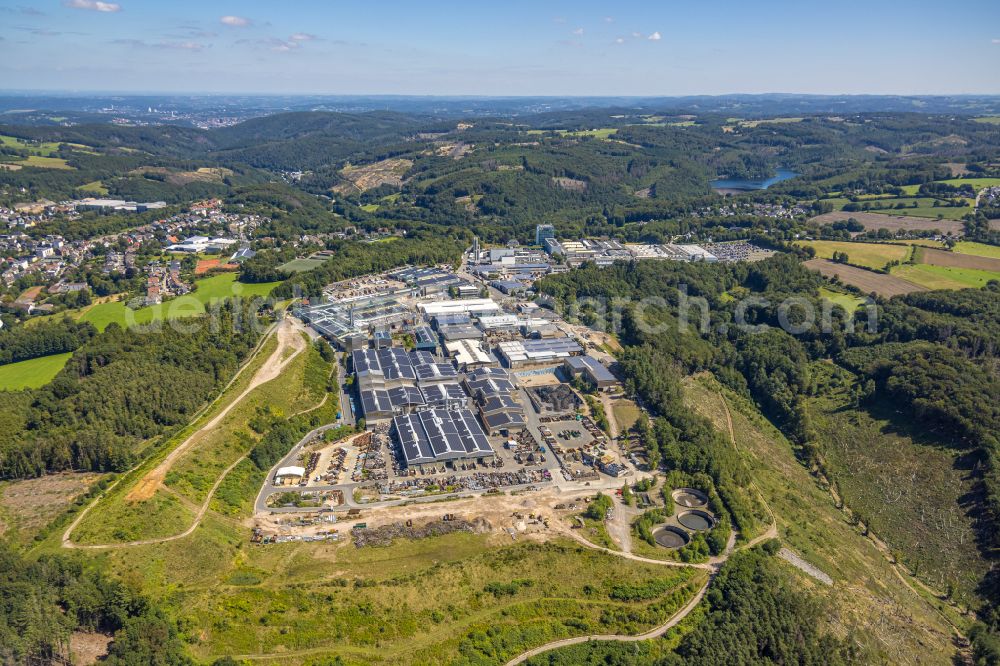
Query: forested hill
[[119, 389], [933, 357]]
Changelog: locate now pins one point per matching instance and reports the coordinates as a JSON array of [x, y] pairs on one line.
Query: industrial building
[[486, 382], [446, 395], [476, 306], [591, 370], [451, 332], [435, 373], [503, 322], [347, 323], [436, 436], [500, 413], [424, 339], [518, 353], [468, 354]]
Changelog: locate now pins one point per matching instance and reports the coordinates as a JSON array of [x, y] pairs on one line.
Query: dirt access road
[[290, 344]]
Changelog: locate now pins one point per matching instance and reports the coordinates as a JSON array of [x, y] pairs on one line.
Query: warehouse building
[[446, 395], [500, 413], [487, 382], [435, 373], [469, 306], [436, 436], [376, 405], [451, 332], [289, 476], [591, 370], [468, 354], [518, 353], [385, 368]]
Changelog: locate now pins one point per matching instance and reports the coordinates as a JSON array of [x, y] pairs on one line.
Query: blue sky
[[513, 47]]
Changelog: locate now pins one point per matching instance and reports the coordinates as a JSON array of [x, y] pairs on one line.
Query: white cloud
[[578, 32], [637, 35], [620, 40], [303, 37], [235, 21], [996, 41], [609, 19], [656, 37], [94, 5]]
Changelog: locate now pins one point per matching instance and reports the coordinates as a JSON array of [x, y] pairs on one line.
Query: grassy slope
[[414, 602], [32, 373], [193, 474], [914, 494], [868, 597]]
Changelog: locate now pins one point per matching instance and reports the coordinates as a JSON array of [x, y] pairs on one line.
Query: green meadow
[[32, 373], [209, 290]]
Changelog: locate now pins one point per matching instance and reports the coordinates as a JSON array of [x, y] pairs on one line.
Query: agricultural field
[[865, 584], [977, 249], [959, 260], [992, 120], [912, 490], [922, 207], [40, 162], [211, 289], [894, 222], [868, 255], [43, 149], [94, 187], [32, 373], [944, 277], [865, 280]]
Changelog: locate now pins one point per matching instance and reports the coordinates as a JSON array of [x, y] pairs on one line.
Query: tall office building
[[543, 231]]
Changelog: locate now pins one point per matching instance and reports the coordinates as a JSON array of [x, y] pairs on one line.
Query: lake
[[730, 185]]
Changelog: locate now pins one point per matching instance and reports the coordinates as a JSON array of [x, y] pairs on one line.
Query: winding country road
[[289, 340]]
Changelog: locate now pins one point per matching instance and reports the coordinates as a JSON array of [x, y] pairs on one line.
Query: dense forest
[[42, 602], [43, 338], [934, 355], [119, 389]]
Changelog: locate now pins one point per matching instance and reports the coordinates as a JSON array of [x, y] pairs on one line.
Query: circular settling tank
[[689, 497], [671, 537], [698, 521]]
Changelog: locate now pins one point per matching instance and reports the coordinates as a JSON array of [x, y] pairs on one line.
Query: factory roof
[[438, 435], [592, 366], [439, 394]]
